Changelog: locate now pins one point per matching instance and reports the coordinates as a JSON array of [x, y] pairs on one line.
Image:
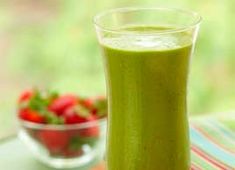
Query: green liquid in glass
[[147, 88]]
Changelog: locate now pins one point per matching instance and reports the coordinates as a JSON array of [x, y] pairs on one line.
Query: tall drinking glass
[[146, 54]]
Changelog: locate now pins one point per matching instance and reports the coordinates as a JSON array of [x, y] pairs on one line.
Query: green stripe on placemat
[[212, 145]]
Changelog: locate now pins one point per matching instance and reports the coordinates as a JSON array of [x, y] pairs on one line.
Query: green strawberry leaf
[[77, 142], [38, 102], [101, 106], [52, 118], [51, 95], [82, 111]]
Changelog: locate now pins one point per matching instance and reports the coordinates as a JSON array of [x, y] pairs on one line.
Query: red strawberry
[[73, 115], [88, 103], [100, 107], [60, 104], [31, 115], [91, 131], [25, 96], [54, 140], [76, 114]]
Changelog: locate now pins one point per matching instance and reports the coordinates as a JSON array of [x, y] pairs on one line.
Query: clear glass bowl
[[65, 146]]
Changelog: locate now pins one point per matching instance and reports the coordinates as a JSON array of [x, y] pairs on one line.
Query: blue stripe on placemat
[[210, 148]]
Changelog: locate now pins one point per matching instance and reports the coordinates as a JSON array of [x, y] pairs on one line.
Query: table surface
[[15, 156], [208, 141]]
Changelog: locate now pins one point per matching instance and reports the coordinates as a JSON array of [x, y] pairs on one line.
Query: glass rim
[[62, 127], [195, 15]]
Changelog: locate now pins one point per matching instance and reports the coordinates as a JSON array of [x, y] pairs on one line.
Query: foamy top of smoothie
[[135, 38]]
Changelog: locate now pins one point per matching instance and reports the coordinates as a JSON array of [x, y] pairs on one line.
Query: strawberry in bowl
[[62, 131]]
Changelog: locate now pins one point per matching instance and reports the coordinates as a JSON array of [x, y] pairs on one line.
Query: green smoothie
[[147, 80]]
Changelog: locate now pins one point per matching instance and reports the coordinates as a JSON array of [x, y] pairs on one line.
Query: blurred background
[[51, 44]]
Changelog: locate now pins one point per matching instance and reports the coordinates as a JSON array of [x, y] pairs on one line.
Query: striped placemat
[[212, 145]]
